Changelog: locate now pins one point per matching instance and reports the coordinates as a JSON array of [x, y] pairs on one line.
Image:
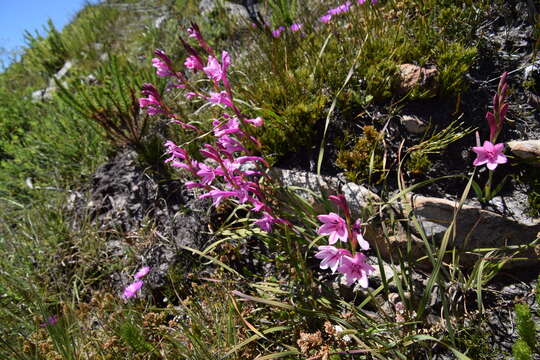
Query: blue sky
[[19, 15]]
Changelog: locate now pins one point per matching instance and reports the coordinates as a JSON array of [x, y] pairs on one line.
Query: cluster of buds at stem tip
[[496, 118], [349, 262], [229, 171]]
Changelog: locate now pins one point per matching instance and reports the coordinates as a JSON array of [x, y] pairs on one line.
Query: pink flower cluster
[[491, 154], [50, 321], [229, 170], [294, 28], [132, 289], [343, 8], [351, 263]]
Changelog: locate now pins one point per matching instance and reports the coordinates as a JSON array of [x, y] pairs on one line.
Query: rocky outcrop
[[528, 150]]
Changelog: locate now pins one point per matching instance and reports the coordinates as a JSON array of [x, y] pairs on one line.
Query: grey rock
[[64, 70], [37, 95], [358, 197], [123, 198], [475, 227], [528, 150], [413, 124], [159, 21], [235, 11]]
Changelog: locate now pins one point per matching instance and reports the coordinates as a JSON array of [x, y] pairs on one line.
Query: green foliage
[[531, 178], [454, 61], [47, 54], [522, 351], [113, 103], [132, 335], [525, 325], [93, 32], [476, 342], [418, 162], [537, 290], [16, 116], [57, 149], [382, 79], [284, 12], [364, 161]]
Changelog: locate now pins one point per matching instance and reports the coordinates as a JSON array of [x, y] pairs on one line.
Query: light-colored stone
[[358, 197], [315, 188], [475, 228], [413, 124], [236, 11], [413, 76], [64, 70], [37, 95], [159, 21], [527, 150]]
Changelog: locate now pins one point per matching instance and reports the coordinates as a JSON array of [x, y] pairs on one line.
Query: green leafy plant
[[112, 104], [525, 325], [47, 53], [364, 161]]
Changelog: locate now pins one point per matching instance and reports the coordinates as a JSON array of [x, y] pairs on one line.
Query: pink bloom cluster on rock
[[351, 264]]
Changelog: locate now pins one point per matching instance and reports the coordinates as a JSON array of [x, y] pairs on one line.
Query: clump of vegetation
[[364, 161], [526, 343], [418, 162]]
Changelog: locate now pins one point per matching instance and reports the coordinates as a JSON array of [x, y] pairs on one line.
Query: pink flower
[[218, 195], [191, 95], [162, 64], [489, 154], [213, 69], [230, 144], [334, 226], [162, 69], [193, 63], [225, 62], [142, 272], [296, 27], [193, 32], [206, 173], [331, 256], [340, 201], [266, 222], [357, 235], [277, 32], [132, 289], [51, 320], [152, 101], [340, 9], [258, 121], [230, 127], [325, 18], [221, 98], [355, 269]]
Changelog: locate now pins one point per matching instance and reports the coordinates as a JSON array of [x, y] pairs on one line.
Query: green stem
[[487, 189]]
